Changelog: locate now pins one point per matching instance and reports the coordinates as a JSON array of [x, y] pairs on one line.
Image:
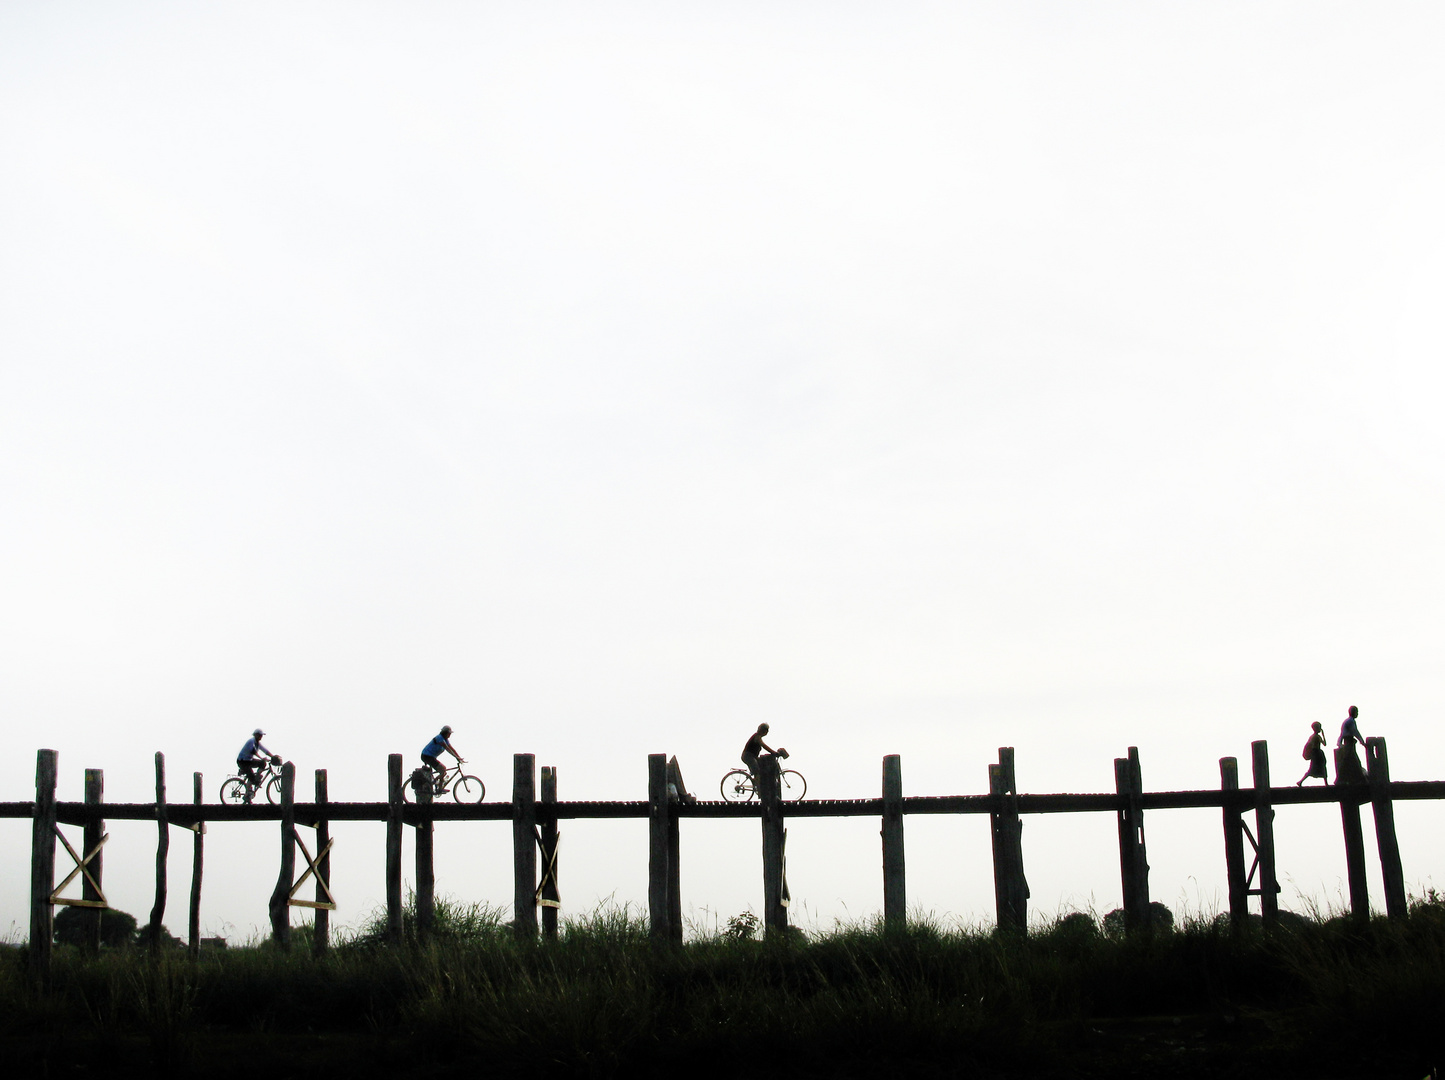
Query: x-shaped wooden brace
[[549, 872], [80, 868], [1249, 878], [311, 868]]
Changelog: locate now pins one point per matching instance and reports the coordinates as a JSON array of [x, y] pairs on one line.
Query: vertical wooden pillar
[[395, 930], [1264, 832], [42, 867], [1377, 765], [675, 793], [281, 895], [524, 845], [895, 895], [775, 910], [163, 848], [90, 841], [425, 871], [550, 894], [1238, 881], [321, 928], [1010, 887], [1354, 848], [658, 912], [198, 854], [1133, 852]]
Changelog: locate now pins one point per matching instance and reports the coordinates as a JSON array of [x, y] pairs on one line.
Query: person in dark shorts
[[1348, 769], [1314, 752], [431, 755], [754, 748]]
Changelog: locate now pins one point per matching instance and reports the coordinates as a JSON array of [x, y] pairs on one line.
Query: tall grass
[[602, 1002]]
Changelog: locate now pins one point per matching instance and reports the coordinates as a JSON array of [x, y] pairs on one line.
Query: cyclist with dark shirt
[[431, 755], [252, 756], [754, 748]]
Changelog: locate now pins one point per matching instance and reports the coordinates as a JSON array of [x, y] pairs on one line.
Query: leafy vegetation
[[1313, 997]]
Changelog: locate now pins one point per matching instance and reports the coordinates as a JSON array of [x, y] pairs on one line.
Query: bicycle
[[240, 789], [463, 786], [738, 785]]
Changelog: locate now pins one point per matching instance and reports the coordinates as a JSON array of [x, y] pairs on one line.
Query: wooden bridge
[[535, 815]]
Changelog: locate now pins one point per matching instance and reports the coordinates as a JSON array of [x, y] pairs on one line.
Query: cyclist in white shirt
[[252, 756]]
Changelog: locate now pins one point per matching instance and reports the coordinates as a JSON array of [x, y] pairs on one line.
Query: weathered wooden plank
[[1264, 832], [395, 928], [1235, 873], [524, 845], [42, 867], [1133, 857], [769, 782], [547, 818], [895, 889], [198, 855], [321, 928], [1377, 767], [425, 870], [658, 912], [92, 883], [163, 848], [1010, 889], [1354, 847], [677, 794], [280, 906]]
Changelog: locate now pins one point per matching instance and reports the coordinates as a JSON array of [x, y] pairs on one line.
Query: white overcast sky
[[604, 379]]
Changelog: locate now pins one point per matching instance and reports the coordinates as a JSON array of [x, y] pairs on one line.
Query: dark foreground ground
[[1308, 999]]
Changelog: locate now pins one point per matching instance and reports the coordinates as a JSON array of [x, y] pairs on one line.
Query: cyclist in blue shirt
[[431, 754], [252, 756]]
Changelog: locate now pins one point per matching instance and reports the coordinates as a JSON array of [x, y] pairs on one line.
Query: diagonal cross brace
[[311, 868], [80, 868], [549, 872]]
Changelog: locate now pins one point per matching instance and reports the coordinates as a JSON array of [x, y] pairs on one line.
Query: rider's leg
[[438, 768]]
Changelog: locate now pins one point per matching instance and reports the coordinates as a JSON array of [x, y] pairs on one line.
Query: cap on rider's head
[[258, 733], [446, 731]]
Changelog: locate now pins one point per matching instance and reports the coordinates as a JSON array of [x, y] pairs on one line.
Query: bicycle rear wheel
[[233, 791], [794, 786], [737, 786], [467, 789]]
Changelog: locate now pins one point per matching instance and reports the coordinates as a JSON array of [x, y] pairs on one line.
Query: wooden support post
[[93, 830], [394, 928], [1354, 849], [676, 792], [1264, 833], [1133, 854], [1010, 888], [550, 894], [163, 849], [1238, 881], [659, 915], [321, 928], [281, 896], [524, 845], [895, 895], [198, 844], [425, 871], [770, 791], [42, 868], [1377, 767]]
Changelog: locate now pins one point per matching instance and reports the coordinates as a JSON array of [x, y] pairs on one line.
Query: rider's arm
[[452, 749], [766, 747]]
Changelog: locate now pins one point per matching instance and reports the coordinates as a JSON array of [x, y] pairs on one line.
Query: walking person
[[1314, 753], [1348, 769]]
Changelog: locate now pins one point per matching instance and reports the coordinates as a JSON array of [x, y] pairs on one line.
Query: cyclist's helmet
[[258, 733], [447, 731]]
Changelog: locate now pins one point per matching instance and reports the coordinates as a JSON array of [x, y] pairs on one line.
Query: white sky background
[[606, 379]]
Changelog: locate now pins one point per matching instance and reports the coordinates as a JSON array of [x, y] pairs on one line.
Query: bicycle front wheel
[[737, 786], [468, 789], [794, 786], [273, 790], [233, 792]]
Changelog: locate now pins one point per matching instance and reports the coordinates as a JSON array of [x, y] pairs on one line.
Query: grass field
[[1315, 997]]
